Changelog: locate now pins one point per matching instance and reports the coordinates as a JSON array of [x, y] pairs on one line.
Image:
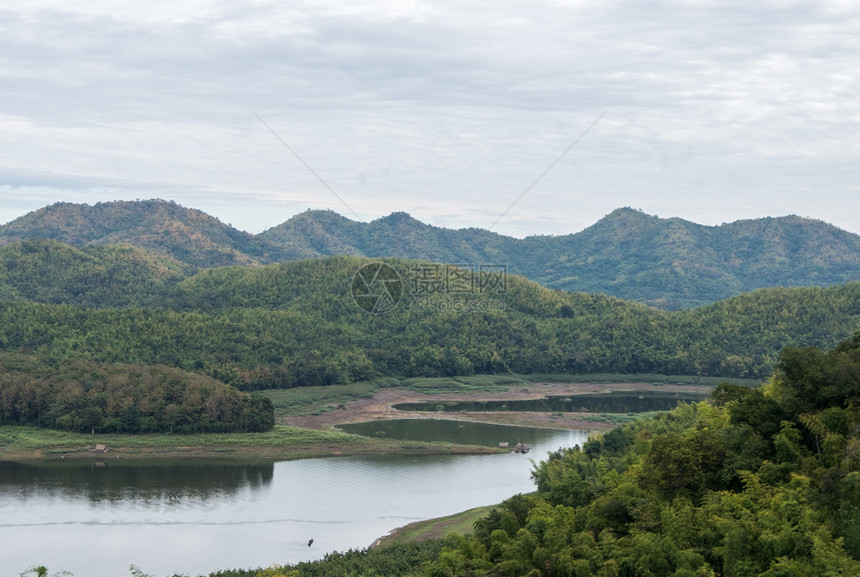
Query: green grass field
[[27, 438], [462, 523], [301, 401], [470, 384]]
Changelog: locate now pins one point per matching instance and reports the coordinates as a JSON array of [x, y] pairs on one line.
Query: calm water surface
[[95, 518]]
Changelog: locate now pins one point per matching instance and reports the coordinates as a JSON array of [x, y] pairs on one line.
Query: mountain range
[[667, 263]]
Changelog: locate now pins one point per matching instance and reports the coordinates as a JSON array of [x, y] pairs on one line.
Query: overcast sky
[[712, 111]]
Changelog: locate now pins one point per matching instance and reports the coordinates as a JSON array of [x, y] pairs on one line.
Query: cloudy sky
[[460, 113]]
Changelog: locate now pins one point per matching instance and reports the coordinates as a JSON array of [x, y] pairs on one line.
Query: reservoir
[[95, 517]]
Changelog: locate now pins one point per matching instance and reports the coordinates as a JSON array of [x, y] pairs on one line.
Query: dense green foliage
[[666, 263], [393, 561], [296, 324], [115, 275], [758, 482], [86, 397]]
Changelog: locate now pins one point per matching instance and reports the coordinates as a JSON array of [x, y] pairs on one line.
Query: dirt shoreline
[[379, 407]]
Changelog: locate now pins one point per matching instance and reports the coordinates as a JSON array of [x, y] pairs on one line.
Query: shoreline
[[314, 436], [33, 445], [379, 407], [317, 436], [434, 528]]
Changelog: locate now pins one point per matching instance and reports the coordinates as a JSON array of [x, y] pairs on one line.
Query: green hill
[[91, 397], [162, 227], [398, 235], [672, 263], [49, 271], [299, 323], [666, 263]]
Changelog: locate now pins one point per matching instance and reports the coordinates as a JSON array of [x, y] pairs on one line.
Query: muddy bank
[[380, 406]]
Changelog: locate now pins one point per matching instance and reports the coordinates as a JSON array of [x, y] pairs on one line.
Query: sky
[[524, 118]]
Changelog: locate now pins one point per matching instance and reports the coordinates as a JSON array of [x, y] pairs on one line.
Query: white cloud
[[447, 110]]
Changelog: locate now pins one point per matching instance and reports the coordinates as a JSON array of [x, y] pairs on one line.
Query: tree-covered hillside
[[299, 323], [673, 263], [186, 235], [115, 275], [79, 395], [666, 263], [320, 233]]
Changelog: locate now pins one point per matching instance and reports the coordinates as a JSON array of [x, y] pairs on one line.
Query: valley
[[159, 353]]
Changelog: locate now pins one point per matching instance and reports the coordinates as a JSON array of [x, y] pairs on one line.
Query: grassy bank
[[303, 401], [462, 523], [21, 443], [288, 442]]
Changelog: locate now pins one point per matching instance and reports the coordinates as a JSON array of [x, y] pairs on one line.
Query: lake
[[94, 518]]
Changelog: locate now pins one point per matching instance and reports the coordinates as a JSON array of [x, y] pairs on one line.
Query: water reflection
[[94, 519], [117, 480], [468, 432]]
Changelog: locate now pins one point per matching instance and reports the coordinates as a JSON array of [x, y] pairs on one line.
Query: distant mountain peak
[[628, 213], [164, 227], [400, 218], [626, 210]]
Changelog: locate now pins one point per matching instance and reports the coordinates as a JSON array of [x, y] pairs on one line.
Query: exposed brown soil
[[380, 406]]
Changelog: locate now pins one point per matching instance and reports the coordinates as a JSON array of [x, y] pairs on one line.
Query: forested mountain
[[301, 323], [326, 233], [666, 263], [49, 271], [674, 263], [162, 227]]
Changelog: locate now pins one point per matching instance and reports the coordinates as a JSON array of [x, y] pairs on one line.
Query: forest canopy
[[298, 323], [87, 397]]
